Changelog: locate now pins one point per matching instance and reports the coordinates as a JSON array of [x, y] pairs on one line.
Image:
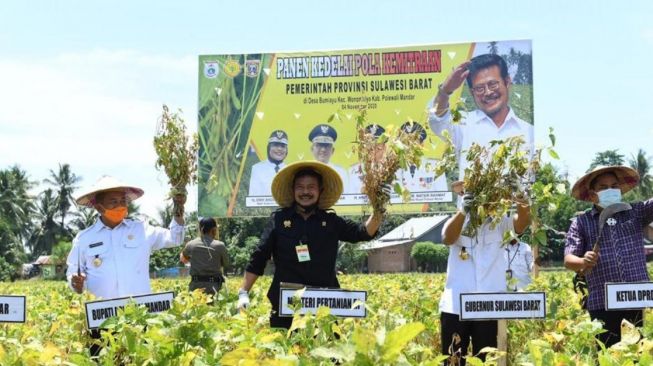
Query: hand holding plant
[[177, 155]]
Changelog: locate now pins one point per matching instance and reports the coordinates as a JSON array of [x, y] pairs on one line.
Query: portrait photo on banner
[[261, 112]]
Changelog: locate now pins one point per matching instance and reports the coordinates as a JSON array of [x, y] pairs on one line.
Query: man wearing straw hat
[[621, 257], [111, 258], [302, 236]]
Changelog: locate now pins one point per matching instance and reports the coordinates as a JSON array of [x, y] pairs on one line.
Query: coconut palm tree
[[607, 157], [16, 208], [83, 218], [493, 48], [47, 231], [64, 181], [640, 163]]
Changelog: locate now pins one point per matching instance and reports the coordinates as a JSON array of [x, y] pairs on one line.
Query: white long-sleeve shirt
[[478, 128], [483, 271], [116, 261], [260, 182], [520, 261]]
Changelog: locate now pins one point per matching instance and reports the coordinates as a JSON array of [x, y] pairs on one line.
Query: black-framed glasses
[[490, 85]]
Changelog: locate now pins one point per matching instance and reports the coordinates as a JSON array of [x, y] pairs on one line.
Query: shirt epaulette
[[85, 231]]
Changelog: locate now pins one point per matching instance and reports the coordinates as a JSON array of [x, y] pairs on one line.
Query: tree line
[[45, 223]]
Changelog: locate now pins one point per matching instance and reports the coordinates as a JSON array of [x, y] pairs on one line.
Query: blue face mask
[[609, 196]]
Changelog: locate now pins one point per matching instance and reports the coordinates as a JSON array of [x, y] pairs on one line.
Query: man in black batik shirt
[[302, 236]]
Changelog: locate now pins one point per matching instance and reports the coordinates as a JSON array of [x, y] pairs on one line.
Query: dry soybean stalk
[[381, 157], [496, 176], [176, 154]]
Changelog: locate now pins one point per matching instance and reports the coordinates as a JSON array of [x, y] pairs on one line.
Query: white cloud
[[647, 35], [96, 111]]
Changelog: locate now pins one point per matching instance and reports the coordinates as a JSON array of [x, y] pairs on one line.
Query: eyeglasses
[[491, 85]]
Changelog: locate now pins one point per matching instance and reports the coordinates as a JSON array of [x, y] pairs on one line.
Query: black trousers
[[482, 333], [94, 349], [612, 323], [279, 322]]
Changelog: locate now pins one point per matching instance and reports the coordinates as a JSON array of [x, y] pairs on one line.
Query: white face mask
[[609, 196]]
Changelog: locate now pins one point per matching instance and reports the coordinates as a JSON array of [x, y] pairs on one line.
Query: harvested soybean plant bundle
[[176, 154], [497, 176], [380, 156]]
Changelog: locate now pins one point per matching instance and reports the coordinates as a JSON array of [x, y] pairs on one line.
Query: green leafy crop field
[[402, 328]]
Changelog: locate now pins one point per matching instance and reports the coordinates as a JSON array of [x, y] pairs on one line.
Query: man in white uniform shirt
[[489, 83], [111, 258], [520, 264], [475, 264], [322, 138], [420, 179], [264, 171]]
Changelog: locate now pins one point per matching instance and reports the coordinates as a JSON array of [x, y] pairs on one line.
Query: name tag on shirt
[[96, 244], [628, 295], [302, 253]]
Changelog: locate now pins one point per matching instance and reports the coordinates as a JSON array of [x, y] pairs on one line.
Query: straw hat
[[282, 189], [628, 178], [105, 184]]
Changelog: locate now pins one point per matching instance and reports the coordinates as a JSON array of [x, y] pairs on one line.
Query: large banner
[[259, 112]]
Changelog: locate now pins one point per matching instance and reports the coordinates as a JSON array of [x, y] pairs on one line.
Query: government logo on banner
[[211, 69]]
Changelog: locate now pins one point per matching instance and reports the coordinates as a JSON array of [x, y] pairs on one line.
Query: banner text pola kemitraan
[[260, 112]]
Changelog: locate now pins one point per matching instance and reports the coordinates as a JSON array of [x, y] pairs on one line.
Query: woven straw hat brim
[[628, 178], [282, 189], [106, 184]]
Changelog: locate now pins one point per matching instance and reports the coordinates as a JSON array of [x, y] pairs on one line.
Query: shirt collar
[[478, 116], [594, 211], [291, 212], [99, 225]]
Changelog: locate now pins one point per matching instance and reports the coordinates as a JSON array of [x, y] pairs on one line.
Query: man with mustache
[[489, 83], [302, 236], [265, 170]]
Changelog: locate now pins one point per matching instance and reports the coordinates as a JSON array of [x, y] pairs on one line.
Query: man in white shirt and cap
[[111, 258], [322, 138], [489, 83], [264, 171]]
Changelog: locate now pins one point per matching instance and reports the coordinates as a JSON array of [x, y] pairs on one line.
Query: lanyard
[[510, 260]]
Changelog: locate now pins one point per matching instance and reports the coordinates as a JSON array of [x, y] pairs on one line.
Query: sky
[[82, 82]]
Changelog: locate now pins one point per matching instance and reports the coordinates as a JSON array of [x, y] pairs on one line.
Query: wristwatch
[[440, 90]]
